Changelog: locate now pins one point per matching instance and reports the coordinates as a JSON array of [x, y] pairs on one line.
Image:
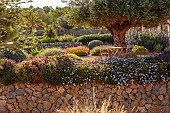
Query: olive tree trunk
[[119, 32]]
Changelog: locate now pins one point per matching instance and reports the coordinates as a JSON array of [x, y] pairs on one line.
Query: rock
[[30, 105], [133, 86], [154, 110], [74, 93], [147, 106], [128, 90], [162, 90], [167, 96], [19, 92], [11, 88], [46, 97], [22, 86], [35, 110], [16, 86], [80, 92], [52, 99], [156, 102], [165, 102], [134, 91], [10, 107], [2, 103], [51, 89], [38, 88], [141, 89], [132, 96], [119, 92], [148, 87], [39, 100], [144, 96], [46, 105], [1, 90], [21, 99], [125, 94], [33, 98], [11, 95], [40, 107], [68, 96], [153, 96], [2, 110], [142, 102], [16, 105], [149, 100], [134, 103], [87, 91], [2, 97], [148, 93], [60, 101], [28, 91], [37, 94], [62, 90], [114, 90], [156, 86], [161, 97], [107, 90], [155, 92], [141, 109], [138, 96], [11, 101], [100, 95], [56, 94], [44, 91], [120, 98], [52, 108], [23, 106]]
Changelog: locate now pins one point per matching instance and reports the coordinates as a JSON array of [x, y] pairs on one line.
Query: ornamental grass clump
[[79, 50], [91, 104], [52, 52]]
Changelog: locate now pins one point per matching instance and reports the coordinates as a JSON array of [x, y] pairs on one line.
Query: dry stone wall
[[29, 98]]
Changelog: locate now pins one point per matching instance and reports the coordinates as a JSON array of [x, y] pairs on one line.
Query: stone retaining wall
[[46, 98]]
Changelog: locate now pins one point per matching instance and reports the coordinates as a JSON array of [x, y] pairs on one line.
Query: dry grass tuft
[[92, 107]]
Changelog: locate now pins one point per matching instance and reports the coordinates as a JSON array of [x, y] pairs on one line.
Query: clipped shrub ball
[[94, 43], [52, 52], [139, 49], [17, 55], [79, 51]]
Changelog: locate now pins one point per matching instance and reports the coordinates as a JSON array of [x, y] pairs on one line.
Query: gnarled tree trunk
[[118, 31]]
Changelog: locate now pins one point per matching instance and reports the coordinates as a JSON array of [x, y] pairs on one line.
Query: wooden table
[[115, 51]]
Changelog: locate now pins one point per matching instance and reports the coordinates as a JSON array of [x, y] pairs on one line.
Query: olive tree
[[118, 16]]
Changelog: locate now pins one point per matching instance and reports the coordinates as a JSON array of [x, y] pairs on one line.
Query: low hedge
[[85, 39], [62, 70]]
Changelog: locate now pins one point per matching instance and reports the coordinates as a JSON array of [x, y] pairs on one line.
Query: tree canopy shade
[[118, 16]]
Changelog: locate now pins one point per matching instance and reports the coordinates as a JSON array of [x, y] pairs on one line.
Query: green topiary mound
[[94, 43]]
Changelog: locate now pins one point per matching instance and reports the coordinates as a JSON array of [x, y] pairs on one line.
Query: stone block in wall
[[46, 98]]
